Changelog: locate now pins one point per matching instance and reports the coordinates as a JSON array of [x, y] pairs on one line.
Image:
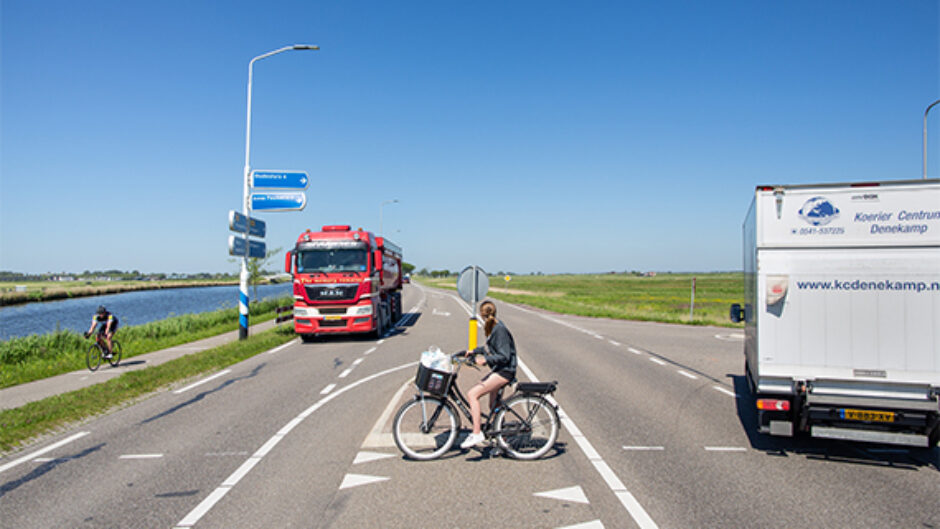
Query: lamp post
[[381, 231], [925, 135], [246, 202]]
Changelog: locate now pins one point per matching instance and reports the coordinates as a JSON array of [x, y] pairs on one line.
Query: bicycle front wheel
[[527, 426], [425, 427], [93, 357], [115, 353]]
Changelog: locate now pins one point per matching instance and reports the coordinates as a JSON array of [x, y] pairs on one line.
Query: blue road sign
[[236, 246], [239, 223], [280, 179], [286, 201]]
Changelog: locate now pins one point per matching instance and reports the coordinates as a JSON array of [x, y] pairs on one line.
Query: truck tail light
[[773, 404]]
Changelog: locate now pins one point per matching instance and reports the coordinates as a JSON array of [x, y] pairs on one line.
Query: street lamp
[[925, 135], [381, 231], [246, 202]]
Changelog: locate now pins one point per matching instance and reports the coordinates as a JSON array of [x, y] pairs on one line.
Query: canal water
[[131, 308]]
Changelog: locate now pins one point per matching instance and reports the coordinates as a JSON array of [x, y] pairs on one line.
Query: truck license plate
[[867, 415], [333, 318]]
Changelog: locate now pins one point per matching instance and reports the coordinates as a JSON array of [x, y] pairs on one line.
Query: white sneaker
[[472, 440]]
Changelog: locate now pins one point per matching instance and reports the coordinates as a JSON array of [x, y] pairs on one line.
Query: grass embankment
[[41, 356], [52, 290], [663, 298], [40, 417]]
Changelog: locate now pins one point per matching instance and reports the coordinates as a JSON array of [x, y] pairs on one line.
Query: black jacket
[[500, 349]]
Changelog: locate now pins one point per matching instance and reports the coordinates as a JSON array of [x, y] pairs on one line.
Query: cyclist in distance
[[499, 353], [107, 325]]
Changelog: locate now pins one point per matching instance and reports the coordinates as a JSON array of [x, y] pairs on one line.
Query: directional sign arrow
[[239, 223], [287, 201], [280, 179]]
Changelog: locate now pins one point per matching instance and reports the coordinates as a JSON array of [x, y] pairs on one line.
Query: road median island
[[20, 425]]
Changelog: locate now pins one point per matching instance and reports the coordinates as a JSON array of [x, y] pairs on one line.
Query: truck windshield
[[332, 260]]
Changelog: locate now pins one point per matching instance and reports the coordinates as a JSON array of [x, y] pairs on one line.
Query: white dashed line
[[327, 389], [725, 391], [346, 373], [203, 381], [612, 342], [657, 361], [38, 453], [644, 448], [141, 456], [357, 361], [687, 375], [634, 351], [725, 449], [370, 351]]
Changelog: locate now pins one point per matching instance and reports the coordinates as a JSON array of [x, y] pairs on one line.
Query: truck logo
[[818, 211]]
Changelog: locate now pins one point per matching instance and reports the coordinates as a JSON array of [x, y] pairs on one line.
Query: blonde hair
[[488, 311]]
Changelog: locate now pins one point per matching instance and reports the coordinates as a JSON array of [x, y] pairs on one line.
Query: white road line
[[687, 375], [141, 456], [380, 342], [725, 391], [644, 448], [346, 373], [203, 381], [612, 342], [725, 449], [282, 347], [357, 361], [327, 389], [196, 514], [634, 351], [47, 449], [370, 351], [657, 361]]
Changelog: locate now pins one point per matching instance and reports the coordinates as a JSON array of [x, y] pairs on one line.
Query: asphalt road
[[658, 433]]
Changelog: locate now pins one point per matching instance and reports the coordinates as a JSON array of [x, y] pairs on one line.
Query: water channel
[[131, 308]]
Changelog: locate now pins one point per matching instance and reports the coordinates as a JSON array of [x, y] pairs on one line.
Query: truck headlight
[[305, 312], [364, 310]]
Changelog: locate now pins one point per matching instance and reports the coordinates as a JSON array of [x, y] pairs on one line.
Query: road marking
[[376, 439], [725, 449], [282, 347], [634, 351], [644, 448], [572, 494], [141, 456], [366, 457], [598, 336], [370, 351], [327, 389], [726, 392], [354, 480], [688, 375], [657, 361], [47, 449], [612, 342], [380, 342], [196, 514], [593, 524], [730, 337], [346, 373], [357, 361], [203, 381]]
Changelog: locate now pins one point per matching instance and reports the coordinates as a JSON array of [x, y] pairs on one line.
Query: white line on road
[[612, 342], [203, 381], [38, 453], [634, 351], [346, 373], [282, 347], [327, 389], [141, 456], [657, 361], [644, 448], [725, 391], [357, 361], [725, 449], [688, 375], [370, 351], [196, 514]]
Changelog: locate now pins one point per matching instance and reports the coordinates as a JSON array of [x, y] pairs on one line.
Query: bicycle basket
[[433, 381]]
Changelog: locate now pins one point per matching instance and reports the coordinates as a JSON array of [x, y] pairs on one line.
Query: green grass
[[663, 298], [41, 417], [41, 356]]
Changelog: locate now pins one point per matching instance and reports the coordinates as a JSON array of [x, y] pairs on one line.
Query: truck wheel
[[307, 338], [934, 438]]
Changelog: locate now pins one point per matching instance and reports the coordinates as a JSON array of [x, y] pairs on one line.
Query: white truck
[[842, 310]]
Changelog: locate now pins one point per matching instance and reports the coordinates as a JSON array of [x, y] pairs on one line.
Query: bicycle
[[524, 426], [98, 350]]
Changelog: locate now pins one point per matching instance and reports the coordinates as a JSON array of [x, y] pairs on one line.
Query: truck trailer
[[842, 310], [345, 281]]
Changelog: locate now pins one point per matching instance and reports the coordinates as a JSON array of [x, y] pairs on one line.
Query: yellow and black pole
[[472, 334]]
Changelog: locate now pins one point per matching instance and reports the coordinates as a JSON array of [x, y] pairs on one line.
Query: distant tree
[[423, 272], [407, 267]]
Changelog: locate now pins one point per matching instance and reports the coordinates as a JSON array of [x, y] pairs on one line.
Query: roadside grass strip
[[44, 416]]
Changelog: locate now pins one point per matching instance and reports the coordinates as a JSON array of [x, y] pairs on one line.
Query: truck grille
[[331, 292]]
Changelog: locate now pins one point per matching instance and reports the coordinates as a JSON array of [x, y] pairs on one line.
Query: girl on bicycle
[[499, 354]]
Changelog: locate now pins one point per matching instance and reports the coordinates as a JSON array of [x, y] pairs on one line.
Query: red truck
[[345, 281]]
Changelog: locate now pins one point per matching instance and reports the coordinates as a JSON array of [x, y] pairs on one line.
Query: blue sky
[[519, 136]]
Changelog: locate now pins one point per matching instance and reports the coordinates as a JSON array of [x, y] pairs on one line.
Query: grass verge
[[663, 298], [41, 417], [41, 356]]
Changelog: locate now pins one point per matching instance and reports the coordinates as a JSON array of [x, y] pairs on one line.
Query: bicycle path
[[16, 396]]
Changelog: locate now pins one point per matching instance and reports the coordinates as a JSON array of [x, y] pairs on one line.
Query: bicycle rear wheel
[[115, 353], [425, 427], [93, 357], [528, 426]]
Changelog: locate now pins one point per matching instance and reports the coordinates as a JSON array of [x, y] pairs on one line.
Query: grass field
[[663, 298]]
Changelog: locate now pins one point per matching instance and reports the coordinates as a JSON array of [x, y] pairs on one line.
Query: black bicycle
[[99, 350], [524, 426]]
